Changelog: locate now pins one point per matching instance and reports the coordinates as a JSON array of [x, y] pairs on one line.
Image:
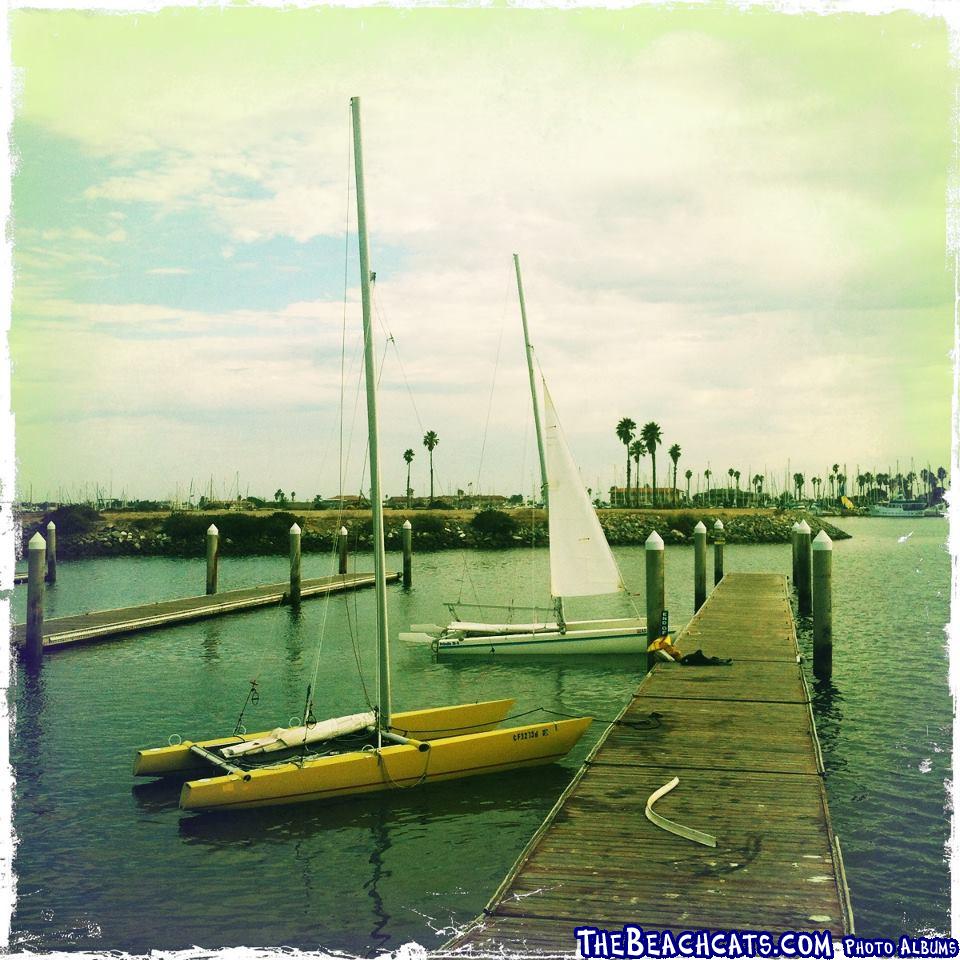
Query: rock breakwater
[[244, 534]]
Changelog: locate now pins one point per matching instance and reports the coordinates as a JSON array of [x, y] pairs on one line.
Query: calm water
[[106, 864]]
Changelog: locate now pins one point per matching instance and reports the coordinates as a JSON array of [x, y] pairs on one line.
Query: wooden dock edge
[[173, 618]]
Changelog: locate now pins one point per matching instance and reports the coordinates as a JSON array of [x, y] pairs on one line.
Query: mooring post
[[36, 561], [295, 564], [794, 545], [51, 552], [407, 555], [343, 550], [822, 548], [655, 594], [803, 569], [699, 565], [717, 552], [213, 558]]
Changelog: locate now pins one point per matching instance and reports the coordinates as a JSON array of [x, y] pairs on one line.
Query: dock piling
[[803, 569], [51, 552], [343, 551], [699, 565], [718, 542], [655, 593], [213, 558], [295, 565], [407, 555], [794, 576], [36, 561], [822, 549]]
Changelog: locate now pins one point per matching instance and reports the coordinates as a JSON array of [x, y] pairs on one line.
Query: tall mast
[[533, 388], [376, 499]]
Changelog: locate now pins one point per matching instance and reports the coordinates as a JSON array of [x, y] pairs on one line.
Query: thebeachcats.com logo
[[595, 943]]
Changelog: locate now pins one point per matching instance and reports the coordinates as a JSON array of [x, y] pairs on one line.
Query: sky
[[731, 221]]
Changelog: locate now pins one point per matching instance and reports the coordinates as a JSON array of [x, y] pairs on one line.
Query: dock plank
[[104, 624], [742, 742]]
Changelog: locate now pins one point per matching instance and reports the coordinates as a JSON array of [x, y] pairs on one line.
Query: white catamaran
[[581, 563], [369, 751]]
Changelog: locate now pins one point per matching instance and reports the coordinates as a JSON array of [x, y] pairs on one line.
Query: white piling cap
[[51, 526], [803, 527], [796, 525], [822, 541], [718, 525], [407, 525], [343, 531], [295, 529], [37, 543], [699, 528], [654, 541], [212, 531]]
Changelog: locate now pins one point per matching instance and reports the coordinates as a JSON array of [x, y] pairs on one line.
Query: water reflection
[[27, 745], [211, 632], [827, 702], [380, 836]]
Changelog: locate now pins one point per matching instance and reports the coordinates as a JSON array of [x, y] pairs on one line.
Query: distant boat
[[901, 507], [369, 751], [581, 565]]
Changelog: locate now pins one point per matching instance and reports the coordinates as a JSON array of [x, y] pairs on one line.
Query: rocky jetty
[[245, 534]]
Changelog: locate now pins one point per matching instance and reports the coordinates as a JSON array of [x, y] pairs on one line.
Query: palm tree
[[688, 474], [941, 476], [430, 440], [408, 456], [835, 480], [736, 497], [883, 481], [758, 484], [841, 484], [637, 450], [675, 452], [868, 482], [730, 483], [280, 497], [816, 481], [708, 475], [626, 431], [798, 481], [910, 479], [651, 439]]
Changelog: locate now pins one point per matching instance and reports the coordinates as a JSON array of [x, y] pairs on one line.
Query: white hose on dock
[[678, 829]]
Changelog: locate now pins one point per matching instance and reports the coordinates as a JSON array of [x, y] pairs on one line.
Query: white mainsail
[[581, 564]]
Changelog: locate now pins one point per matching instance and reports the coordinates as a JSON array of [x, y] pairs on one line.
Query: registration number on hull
[[531, 734]]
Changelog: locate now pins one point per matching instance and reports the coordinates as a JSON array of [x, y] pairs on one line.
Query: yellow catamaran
[[363, 752]]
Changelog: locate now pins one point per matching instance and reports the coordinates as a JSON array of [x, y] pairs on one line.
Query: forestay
[[581, 564]]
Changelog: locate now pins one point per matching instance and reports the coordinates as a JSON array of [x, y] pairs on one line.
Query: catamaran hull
[[179, 760], [581, 638], [390, 768]]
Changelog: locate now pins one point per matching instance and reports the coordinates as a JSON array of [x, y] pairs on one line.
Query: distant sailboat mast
[[544, 482]]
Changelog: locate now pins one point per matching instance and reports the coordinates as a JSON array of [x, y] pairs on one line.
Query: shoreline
[[265, 532]]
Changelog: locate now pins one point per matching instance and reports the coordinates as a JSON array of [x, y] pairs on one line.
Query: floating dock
[[742, 741], [104, 624]]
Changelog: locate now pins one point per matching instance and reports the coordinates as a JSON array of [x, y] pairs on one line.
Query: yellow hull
[[431, 724], [392, 767]]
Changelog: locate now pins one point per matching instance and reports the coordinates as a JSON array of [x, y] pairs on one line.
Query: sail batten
[[581, 564]]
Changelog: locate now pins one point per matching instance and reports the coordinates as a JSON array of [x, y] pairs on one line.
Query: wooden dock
[[741, 739], [166, 613]]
